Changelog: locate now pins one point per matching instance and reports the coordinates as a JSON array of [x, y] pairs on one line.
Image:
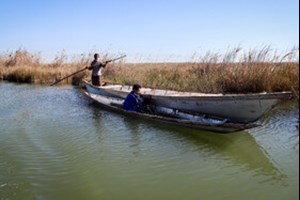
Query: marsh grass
[[232, 72], [24, 67]]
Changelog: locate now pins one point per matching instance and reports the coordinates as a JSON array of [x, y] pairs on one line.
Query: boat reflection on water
[[232, 153]]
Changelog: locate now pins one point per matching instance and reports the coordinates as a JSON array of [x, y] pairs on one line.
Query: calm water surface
[[56, 144]]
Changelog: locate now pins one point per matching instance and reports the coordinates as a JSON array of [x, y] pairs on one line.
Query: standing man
[[96, 67]]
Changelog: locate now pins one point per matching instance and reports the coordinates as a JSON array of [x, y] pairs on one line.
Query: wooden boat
[[241, 108], [178, 118]]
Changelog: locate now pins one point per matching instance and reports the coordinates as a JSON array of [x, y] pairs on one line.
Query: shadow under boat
[[239, 148]]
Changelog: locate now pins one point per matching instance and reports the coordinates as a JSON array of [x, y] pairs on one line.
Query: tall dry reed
[[23, 66], [235, 71]]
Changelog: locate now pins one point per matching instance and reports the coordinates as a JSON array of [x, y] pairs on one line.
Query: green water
[[56, 144]]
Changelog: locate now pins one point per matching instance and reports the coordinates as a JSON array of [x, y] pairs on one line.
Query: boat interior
[[164, 111], [158, 92]]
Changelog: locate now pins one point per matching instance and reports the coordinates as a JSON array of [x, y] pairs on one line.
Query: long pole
[[115, 59], [68, 76], [108, 61]]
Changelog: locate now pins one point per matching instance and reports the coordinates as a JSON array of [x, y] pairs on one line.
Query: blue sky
[[164, 30]]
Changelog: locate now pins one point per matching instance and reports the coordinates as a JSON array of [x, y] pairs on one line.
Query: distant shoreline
[[255, 73]]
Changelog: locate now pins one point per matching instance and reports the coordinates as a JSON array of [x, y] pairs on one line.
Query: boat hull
[[113, 103], [242, 108], [235, 109]]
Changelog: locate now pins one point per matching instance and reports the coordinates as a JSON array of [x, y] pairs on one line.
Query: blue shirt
[[132, 102]]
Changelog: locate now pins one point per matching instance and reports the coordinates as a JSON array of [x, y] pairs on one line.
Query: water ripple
[[56, 143]]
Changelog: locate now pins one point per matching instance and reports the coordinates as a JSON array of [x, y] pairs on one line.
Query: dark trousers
[[96, 80]]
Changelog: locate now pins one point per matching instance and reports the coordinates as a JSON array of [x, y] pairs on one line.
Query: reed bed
[[235, 71], [24, 67]]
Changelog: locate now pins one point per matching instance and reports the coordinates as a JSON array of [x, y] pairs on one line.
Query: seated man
[[133, 101]]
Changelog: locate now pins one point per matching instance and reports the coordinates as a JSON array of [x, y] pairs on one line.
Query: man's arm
[[93, 64]]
